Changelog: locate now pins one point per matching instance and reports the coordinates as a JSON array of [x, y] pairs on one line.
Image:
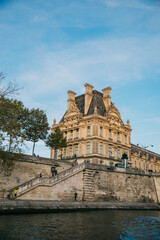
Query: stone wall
[[100, 183], [62, 191], [113, 186], [26, 169]]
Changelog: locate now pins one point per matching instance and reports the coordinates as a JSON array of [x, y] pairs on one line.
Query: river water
[[88, 225]]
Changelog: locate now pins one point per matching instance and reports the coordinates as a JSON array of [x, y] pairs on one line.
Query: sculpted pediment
[[73, 112], [113, 114]]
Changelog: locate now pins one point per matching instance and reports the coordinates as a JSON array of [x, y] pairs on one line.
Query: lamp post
[[145, 146]]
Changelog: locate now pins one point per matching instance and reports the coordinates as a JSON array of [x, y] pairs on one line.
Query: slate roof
[[135, 148], [97, 101]]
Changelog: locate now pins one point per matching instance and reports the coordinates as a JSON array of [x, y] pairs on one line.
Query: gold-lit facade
[[95, 131]]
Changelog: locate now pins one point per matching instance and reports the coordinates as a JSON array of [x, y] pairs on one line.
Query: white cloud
[[127, 3]]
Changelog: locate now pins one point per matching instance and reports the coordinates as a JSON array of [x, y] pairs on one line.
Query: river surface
[[88, 225]]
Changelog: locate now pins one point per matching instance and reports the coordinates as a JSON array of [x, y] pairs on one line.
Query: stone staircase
[[42, 181], [88, 189]]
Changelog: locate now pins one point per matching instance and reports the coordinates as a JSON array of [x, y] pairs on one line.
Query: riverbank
[[35, 206]]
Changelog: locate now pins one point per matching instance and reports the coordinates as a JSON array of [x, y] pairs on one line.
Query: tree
[[6, 88], [12, 123], [55, 140], [36, 127]]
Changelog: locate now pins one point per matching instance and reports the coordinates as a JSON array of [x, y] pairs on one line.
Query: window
[[88, 147], [88, 131], [100, 131], [125, 139], [71, 151], [135, 163], [143, 165], [77, 149], [77, 133], [66, 135], [118, 152], [56, 153], [110, 150], [101, 148], [117, 136], [65, 151], [109, 133], [71, 134]]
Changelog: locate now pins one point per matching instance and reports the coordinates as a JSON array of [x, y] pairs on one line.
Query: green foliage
[[55, 140], [36, 127], [12, 122], [6, 163]]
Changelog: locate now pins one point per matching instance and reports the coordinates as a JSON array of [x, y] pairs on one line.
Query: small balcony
[[118, 141], [111, 139]]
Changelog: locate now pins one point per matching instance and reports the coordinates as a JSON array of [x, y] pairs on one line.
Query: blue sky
[[48, 47]]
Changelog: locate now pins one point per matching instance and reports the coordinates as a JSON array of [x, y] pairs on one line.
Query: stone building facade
[[96, 133]]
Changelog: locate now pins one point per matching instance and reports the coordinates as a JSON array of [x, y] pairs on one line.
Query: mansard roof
[[97, 102]]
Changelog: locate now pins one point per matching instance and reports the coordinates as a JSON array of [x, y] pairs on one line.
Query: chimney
[[71, 98], [88, 96], [107, 97]]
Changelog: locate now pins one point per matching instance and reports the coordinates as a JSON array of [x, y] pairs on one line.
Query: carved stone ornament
[[113, 114], [73, 112]]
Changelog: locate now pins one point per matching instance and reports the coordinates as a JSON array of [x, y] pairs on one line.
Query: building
[[96, 133]]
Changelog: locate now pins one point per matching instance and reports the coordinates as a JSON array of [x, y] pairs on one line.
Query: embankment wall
[[27, 169], [97, 183]]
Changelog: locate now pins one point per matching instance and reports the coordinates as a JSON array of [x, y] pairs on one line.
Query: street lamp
[[145, 147]]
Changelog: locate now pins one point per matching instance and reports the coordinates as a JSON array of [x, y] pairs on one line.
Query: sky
[[49, 47]]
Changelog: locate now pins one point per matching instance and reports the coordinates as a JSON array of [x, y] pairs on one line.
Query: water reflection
[[91, 225]]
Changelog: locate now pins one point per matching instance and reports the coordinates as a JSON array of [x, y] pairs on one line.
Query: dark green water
[[90, 225]]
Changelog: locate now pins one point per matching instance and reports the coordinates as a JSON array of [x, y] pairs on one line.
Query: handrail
[[44, 180]]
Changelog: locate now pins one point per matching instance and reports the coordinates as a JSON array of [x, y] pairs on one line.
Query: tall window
[[88, 147], [126, 151], [100, 131], [88, 130], [65, 152], [135, 163], [77, 133], [118, 152], [109, 133], [110, 150], [101, 148], [77, 149], [66, 135], [71, 134], [125, 139], [143, 165], [117, 136], [56, 153], [71, 151]]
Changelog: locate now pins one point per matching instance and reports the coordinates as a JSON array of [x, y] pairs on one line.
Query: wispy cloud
[[130, 4], [148, 134]]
